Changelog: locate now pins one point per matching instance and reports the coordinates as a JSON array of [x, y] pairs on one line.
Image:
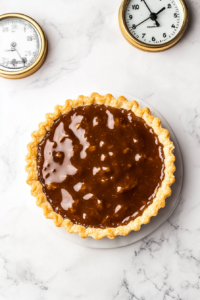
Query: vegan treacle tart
[[100, 166]]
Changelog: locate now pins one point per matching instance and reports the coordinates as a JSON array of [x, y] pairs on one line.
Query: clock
[[23, 46], [153, 25]]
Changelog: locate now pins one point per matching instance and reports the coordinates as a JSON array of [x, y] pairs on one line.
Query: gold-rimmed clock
[[23, 46], [153, 25]]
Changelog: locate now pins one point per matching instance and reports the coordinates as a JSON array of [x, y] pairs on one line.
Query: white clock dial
[[154, 21], [20, 44]]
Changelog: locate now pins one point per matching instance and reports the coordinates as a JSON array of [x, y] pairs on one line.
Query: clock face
[[154, 21], [20, 44]]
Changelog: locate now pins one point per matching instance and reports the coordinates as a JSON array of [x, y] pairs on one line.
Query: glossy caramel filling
[[100, 166]]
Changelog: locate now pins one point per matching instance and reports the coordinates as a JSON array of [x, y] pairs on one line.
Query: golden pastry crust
[[97, 233]]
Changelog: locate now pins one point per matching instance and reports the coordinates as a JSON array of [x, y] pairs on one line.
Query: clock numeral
[[173, 26], [143, 35], [14, 62], [130, 17], [175, 15], [27, 53], [14, 26], [29, 38], [35, 53], [164, 35], [169, 6], [153, 39], [133, 26], [135, 6], [5, 29]]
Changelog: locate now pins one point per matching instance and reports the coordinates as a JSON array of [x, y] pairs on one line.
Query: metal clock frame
[[147, 47], [42, 54]]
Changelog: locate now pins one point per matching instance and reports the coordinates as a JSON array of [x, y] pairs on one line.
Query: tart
[[100, 166]]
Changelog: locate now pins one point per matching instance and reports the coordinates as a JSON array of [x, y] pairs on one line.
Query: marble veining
[[88, 53]]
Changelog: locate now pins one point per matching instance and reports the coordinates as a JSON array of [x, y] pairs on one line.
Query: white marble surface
[[87, 51]]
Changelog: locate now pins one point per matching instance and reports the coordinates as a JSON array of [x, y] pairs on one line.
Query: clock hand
[[157, 24], [153, 17], [13, 44], [23, 60], [160, 10], [146, 5], [142, 22]]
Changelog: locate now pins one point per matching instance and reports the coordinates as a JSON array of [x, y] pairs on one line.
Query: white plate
[[155, 222]]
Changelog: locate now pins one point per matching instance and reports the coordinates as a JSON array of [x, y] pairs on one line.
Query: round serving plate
[[156, 222]]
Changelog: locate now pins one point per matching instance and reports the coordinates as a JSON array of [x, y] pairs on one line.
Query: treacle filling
[[100, 166]]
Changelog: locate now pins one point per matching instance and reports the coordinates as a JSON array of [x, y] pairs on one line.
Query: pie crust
[[97, 233]]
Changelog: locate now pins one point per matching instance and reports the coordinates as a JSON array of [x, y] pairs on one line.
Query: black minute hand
[[146, 5]]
